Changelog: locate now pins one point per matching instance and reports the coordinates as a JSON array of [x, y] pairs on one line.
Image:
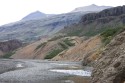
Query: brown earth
[[80, 51], [27, 52], [84, 49], [31, 52]]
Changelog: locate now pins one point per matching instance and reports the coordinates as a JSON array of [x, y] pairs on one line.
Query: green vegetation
[[108, 34], [75, 33], [41, 45], [53, 53], [56, 38], [8, 55], [68, 42], [63, 46]]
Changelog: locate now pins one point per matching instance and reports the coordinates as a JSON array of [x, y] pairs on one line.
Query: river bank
[[38, 71]]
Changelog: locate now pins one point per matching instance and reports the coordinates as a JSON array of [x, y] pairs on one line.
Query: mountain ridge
[[35, 15], [91, 7], [32, 30]]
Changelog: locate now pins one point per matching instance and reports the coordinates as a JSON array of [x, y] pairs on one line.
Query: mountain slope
[[28, 31], [7, 47], [110, 66], [92, 7], [81, 51], [43, 48], [38, 25], [35, 15], [94, 23], [90, 25]]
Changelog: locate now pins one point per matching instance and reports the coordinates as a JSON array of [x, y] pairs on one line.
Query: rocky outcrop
[[10, 45], [94, 23], [112, 12], [110, 66]]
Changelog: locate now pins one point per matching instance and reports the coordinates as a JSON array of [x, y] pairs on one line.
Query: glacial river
[[40, 71]]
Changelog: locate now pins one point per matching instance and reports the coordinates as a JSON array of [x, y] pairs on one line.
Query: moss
[[53, 53], [74, 33], [56, 38], [63, 46], [108, 34], [68, 42]]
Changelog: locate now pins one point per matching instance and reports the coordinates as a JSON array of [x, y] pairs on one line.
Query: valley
[[85, 45]]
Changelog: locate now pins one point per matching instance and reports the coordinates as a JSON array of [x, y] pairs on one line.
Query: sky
[[14, 10]]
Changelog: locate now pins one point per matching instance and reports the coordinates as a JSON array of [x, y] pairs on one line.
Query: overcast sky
[[14, 10]]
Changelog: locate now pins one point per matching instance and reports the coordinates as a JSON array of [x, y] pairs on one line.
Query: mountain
[[30, 30], [94, 23], [38, 25], [92, 7], [86, 34], [98, 40], [35, 15], [7, 47]]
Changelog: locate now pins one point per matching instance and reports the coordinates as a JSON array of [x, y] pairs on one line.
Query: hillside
[[94, 23], [7, 47], [38, 25], [81, 51], [57, 48], [98, 40], [32, 30], [44, 47], [110, 66], [90, 25]]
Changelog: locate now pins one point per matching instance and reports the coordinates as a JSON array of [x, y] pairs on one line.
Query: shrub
[[68, 42], [8, 55], [108, 34], [56, 38], [53, 53], [63, 46]]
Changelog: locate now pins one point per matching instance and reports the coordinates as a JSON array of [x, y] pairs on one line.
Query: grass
[[63, 46], [56, 38], [53, 53], [74, 33], [108, 34], [68, 42], [8, 55], [41, 45]]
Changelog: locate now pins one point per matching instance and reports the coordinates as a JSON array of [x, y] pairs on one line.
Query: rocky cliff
[[94, 23], [110, 66], [111, 12], [10, 45]]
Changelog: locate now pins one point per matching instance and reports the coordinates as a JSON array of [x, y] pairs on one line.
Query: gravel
[[33, 71]]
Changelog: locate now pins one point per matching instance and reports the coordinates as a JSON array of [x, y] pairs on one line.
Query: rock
[[110, 13], [10, 45], [110, 66]]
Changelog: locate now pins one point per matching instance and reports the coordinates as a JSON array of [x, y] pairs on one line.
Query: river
[[42, 71]]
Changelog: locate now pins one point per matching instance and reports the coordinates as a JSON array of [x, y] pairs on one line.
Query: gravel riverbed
[[40, 71]]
